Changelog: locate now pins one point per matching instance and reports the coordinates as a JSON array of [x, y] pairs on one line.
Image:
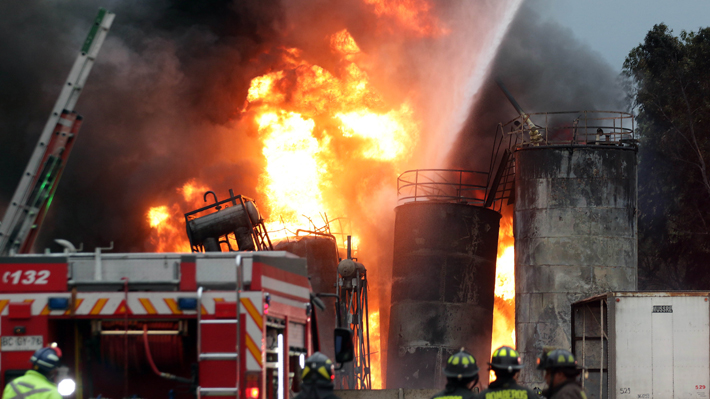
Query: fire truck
[[170, 325]]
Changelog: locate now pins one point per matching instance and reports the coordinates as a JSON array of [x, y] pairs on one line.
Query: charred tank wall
[[442, 290], [322, 259], [575, 236]]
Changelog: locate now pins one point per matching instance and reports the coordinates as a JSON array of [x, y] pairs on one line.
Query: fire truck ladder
[[218, 356], [37, 185]]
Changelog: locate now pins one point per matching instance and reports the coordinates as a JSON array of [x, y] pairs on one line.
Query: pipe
[[152, 364], [125, 337]]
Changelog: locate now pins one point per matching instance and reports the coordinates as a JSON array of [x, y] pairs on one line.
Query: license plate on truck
[[21, 343]]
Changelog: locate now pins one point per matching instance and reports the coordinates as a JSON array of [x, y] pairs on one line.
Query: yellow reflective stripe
[[507, 394], [322, 371], [147, 305], [504, 352]]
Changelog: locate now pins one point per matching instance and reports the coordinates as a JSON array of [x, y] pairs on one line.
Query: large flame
[[327, 135], [311, 122], [504, 305], [167, 223]]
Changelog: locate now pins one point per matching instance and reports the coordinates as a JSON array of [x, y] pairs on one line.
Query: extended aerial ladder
[[33, 196]]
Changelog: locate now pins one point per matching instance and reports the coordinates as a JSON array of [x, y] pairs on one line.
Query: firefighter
[[461, 373], [317, 378], [37, 382], [561, 373], [506, 363]]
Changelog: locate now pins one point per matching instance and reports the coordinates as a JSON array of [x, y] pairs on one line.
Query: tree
[[670, 81]]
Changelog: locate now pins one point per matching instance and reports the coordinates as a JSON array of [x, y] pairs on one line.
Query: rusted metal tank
[[443, 281]]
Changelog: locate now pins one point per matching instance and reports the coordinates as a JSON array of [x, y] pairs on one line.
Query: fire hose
[[154, 367]]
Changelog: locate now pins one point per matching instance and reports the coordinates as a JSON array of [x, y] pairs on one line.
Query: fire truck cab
[[165, 325]]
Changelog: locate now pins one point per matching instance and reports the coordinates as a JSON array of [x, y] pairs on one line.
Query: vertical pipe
[[584, 336], [77, 363], [367, 327], [125, 336], [98, 267], [199, 321], [240, 275], [601, 339], [349, 247], [280, 366], [416, 183]]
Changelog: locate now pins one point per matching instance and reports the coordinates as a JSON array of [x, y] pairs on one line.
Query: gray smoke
[[546, 69]]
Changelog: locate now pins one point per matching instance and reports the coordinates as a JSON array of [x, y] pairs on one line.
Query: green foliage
[[670, 78]]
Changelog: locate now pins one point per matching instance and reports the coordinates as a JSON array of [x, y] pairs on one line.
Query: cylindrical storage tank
[[321, 254], [207, 229], [443, 283], [575, 236]]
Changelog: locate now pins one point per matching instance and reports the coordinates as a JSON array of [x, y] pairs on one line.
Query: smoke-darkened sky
[[169, 80]]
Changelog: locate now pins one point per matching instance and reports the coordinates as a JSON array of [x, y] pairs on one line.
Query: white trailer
[[644, 345]]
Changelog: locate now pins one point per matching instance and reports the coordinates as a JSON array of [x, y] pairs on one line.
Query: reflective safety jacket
[[569, 389], [507, 389], [315, 390], [454, 393], [32, 385]]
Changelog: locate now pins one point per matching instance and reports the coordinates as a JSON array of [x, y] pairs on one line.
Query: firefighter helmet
[[46, 359], [318, 367], [543, 358], [558, 359], [506, 358], [461, 365]]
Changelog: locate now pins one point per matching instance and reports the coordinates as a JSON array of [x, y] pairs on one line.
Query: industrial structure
[[342, 285], [572, 178], [443, 274]]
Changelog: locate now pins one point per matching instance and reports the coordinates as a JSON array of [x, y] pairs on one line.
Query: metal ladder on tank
[[212, 356]]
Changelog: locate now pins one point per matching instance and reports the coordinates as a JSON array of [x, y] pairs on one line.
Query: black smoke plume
[[168, 83]]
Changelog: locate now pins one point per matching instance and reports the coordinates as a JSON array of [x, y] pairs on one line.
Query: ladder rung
[[219, 321], [218, 356], [217, 391]]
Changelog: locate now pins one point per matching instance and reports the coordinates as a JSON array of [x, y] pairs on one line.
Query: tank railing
[[442, 185], [612, 128]]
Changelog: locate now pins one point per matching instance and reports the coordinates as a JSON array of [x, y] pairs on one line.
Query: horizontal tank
[[206, 230]]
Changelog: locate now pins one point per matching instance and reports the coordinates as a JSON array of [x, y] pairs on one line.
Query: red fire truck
[[151, 325]]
